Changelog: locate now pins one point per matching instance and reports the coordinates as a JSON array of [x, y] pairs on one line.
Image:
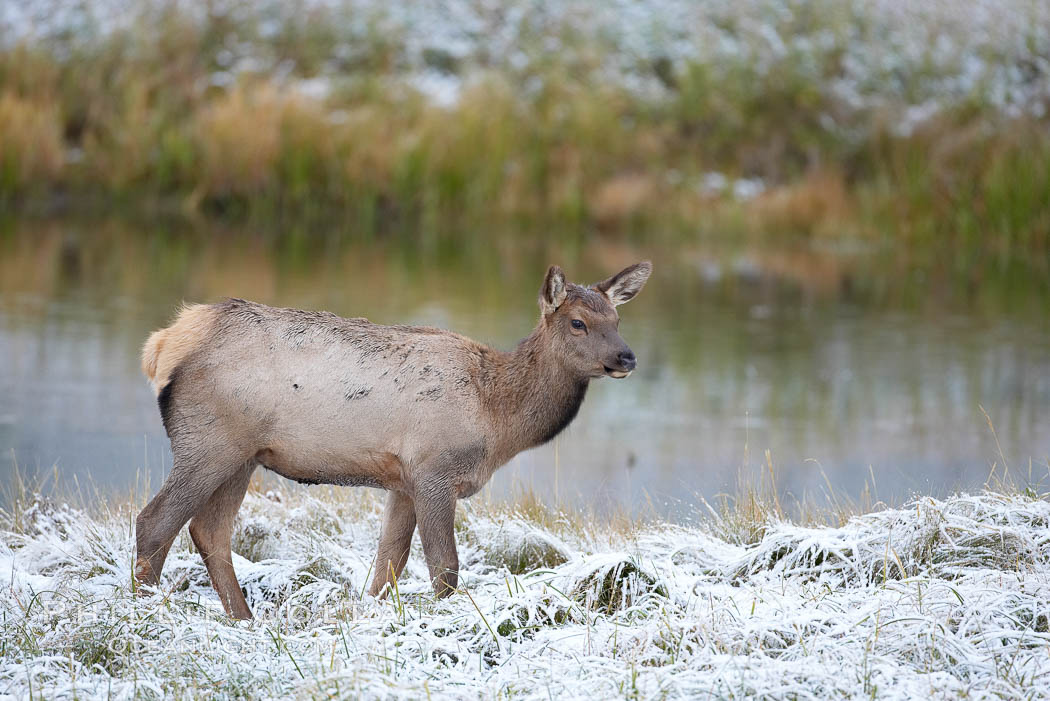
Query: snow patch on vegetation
[[937, 599], [914, 59]]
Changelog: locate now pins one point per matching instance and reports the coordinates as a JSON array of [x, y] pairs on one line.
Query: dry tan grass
[[622, 197], [239, 136], [31, 150], [819, 204]]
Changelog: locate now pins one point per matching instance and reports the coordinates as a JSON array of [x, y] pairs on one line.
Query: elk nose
[[627, 360]]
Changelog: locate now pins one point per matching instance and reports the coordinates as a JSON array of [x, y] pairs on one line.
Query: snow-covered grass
[[922, 56], [937, 599]]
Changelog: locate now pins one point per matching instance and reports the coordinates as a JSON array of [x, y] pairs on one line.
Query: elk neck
[[530, 393]]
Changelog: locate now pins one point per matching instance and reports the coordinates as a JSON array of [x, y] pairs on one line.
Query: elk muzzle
[[622, 365]]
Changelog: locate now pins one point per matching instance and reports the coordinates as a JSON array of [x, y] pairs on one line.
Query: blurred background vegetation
[[829, 118], [847, 201]]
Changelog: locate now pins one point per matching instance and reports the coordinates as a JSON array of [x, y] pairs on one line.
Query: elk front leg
[[436, 512], [395, 541]]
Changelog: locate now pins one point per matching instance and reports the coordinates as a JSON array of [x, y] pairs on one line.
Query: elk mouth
[[618, 374]]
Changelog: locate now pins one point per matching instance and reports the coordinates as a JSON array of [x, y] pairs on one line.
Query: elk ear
[[552, 294], [624, 285]]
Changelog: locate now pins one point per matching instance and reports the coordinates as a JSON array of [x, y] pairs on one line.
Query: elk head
[[581, 323]]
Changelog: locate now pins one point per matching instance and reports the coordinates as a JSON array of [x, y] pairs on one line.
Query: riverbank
[[828, 119], [936, 599]]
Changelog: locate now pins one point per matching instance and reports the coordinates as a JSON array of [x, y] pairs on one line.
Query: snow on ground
[[939, 599]]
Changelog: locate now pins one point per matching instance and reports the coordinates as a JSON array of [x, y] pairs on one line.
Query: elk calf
[[424, 413]]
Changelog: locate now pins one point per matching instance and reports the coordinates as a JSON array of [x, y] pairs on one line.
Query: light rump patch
[[167, 348]]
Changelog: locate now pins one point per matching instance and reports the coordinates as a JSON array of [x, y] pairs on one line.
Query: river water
[[851, 366]]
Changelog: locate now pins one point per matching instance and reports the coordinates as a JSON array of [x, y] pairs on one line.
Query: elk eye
[[577, 324]]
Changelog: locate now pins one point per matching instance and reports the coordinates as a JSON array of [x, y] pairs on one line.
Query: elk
[[426, 414]]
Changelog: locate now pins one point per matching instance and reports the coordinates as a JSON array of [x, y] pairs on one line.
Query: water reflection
[[845, 364]]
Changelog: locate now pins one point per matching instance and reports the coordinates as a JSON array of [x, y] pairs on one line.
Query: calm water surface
[[847, 365]]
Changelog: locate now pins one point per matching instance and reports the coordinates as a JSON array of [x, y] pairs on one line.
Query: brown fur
[[427, 414]]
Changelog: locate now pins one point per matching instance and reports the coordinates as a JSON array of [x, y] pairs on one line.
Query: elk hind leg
[[211, 529], [194, 477]]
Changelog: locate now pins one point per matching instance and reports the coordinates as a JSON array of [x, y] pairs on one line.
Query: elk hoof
[[144, 573]]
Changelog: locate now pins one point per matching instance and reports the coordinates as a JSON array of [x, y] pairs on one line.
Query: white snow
[[938, 599]]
